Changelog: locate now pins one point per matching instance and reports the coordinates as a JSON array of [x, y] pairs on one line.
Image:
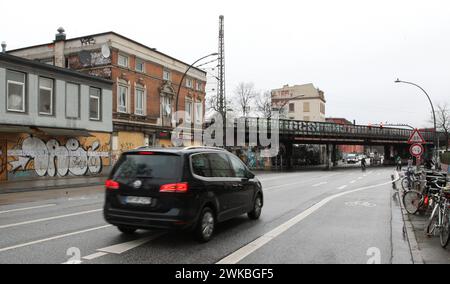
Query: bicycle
[[440, 217], [415, 200]]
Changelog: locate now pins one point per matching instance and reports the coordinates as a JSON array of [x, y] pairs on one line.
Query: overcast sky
[[352, 50]]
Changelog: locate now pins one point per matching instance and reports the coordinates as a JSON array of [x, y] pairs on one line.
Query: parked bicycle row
[[428, 192]]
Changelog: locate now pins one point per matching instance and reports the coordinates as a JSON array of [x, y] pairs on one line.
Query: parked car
[[352, 159], [191, 188]]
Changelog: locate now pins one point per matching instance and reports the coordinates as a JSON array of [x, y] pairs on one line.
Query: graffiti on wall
[[2, 163], [51, 158]]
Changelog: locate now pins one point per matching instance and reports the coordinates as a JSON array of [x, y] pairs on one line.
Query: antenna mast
[[222, 105]]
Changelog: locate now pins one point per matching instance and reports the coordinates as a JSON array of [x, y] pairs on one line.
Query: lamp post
[[182, 79], [436, 139]]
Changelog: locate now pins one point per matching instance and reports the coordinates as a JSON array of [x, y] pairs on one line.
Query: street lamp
[[436, 139], [182, 79]]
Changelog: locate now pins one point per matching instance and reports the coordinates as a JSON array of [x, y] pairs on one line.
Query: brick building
[[145, 83], [346, 149]]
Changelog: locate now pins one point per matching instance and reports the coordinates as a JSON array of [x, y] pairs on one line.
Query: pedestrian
[[399, 163]]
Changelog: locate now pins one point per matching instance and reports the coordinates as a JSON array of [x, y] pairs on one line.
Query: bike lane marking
[[27, 208], [245, 251]]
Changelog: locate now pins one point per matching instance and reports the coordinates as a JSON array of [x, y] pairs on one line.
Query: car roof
[[177, 150]]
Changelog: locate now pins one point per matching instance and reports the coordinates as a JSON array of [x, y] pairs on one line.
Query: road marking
[[360, 178], [124, 247], [342, 187], [54, 238], [28, 208], [353, 181], [50, 218], [245, 251], [94, 255], [320, 184]]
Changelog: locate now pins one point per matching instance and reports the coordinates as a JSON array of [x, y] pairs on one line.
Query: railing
[[326, 129]]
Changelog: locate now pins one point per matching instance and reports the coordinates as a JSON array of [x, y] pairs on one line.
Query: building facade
[[54, 122], [300, 102], [145, 84]]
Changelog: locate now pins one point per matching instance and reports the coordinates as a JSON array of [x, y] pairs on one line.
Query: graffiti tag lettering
[[53, 159]]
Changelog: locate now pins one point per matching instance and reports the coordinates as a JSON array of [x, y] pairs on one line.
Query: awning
[[65, 132], [15, 129]]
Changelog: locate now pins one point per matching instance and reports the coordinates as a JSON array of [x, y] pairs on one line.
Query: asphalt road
[[342, 216]]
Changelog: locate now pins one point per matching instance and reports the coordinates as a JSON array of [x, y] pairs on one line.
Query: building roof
[[111, 33], [35, 64]]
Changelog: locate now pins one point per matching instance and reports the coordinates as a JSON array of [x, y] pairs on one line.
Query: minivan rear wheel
[[127, 230], [206, 226], [257, 208]]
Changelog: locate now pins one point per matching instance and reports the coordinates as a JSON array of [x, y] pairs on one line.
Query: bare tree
[[443, 121], [264, 104], [244, 97]]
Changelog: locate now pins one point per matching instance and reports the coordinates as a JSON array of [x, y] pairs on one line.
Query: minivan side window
[[238, 167], [200, 165], [220, 166]]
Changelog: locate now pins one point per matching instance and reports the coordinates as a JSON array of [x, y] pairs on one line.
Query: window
[[306, 107], [291, 107], [166, 75], [45, 96], [189, 83], [95, 103], [15, 89], [322, 108], [200, 165], [72, 100], [188, 110], [140, 65], [198, 113], [140, 100], [167, 106], [123, 60], [220, 167], [240, 170], [122, 97], [199, 86]]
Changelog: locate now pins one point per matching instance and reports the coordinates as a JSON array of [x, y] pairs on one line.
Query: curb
[[54, 187], [408, 229]]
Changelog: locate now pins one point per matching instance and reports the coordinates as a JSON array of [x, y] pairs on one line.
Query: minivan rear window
[[157, 166]]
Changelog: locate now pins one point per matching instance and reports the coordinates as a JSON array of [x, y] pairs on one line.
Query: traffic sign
[[416, 150], [416, 138]]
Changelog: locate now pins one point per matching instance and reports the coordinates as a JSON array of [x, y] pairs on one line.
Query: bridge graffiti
[[51, 158]]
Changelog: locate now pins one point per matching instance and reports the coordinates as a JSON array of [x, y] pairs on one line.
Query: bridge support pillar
[[328, 157], [289, 153]]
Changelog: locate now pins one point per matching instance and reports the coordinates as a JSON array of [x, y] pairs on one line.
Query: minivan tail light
[[146, 153], [111, 184], [174, 187]]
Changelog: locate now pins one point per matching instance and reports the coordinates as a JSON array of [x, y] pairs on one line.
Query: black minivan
[[191, 188]]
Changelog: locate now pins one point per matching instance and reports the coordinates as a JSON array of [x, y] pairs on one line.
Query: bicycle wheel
[[432, 224], [445, 230], [412, 201]]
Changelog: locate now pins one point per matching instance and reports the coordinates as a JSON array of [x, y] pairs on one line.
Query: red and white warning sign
[[416, 150], [416, 138]]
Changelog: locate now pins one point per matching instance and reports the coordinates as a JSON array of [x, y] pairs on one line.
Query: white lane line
[[320, 184], [50, 218], [360, 178], [54, 238], [342, 187], [245, 251], [353, 181], [124, 247], [27, 208], [94, 255]]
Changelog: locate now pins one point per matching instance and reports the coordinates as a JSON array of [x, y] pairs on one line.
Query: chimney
[[3, 47], [60, 42]]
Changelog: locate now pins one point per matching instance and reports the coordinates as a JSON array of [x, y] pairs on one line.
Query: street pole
[[436, 139]]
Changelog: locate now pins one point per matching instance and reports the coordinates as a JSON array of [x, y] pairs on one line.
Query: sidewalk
[[45, 184]]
